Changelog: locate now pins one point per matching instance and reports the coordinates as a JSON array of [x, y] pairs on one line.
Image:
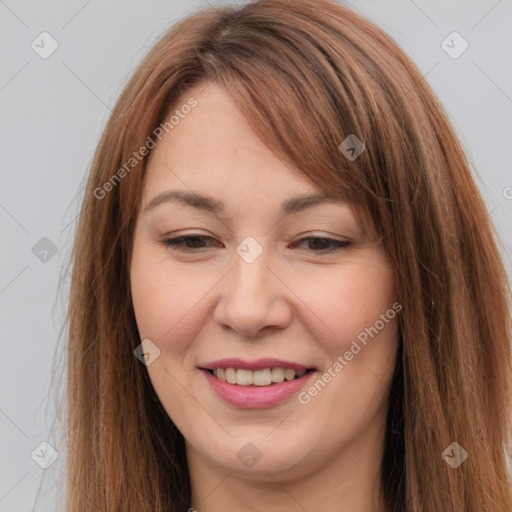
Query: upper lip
[[259, 364]]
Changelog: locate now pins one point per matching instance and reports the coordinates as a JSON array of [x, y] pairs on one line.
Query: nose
[[253, 299]]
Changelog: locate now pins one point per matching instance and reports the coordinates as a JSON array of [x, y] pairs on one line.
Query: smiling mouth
[[261, 378]]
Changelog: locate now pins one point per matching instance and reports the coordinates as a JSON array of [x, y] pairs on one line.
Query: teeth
[[230, 375], [265, 377], [289, 374], [244, 377], [277, 374], [262, 378]]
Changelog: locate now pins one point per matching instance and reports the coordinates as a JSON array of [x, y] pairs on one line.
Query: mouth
[[257, 378], [264, 387], [263, 383]]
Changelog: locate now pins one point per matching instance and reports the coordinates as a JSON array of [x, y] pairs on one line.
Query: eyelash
[[174, 243]]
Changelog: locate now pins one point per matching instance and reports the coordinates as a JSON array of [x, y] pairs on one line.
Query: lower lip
[[256, 397]]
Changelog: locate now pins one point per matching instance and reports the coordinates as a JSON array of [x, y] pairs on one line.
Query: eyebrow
[[212, 205]]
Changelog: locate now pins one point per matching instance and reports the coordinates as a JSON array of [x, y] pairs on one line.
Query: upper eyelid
[[183, 238], [301, 237]]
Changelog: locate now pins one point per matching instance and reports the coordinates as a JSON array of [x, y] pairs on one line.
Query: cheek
[[344, 303], [356, 325], [167, 302]]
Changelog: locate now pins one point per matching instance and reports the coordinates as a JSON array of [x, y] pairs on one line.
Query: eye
[[321, 244], [193, 243], [186, 243]]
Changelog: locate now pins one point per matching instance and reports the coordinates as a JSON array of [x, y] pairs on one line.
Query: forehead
[[213, 152], [214, 149]]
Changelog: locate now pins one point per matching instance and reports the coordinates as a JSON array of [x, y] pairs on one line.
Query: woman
[[286, 290]]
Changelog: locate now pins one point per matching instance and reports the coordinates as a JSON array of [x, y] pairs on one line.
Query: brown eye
[[321, 244], [194, 243], [187, 243]]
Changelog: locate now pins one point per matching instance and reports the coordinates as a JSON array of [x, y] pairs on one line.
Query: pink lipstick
[[256, 384]]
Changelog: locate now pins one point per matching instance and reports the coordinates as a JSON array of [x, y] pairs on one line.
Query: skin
[[291, 303]]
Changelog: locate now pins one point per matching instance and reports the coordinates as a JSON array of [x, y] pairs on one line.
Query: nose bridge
[[251, 299], [251, 276]]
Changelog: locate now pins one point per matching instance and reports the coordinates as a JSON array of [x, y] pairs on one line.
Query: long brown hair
[[306, 74]]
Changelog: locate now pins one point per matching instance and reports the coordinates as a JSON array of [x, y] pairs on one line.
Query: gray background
[[53, 111]]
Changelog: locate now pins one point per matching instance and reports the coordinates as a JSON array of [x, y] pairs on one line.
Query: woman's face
[[254, 291]]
